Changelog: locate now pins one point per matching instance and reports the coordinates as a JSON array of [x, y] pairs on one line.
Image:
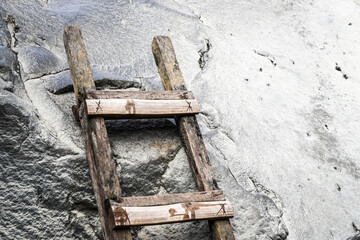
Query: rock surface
[[278, 85]]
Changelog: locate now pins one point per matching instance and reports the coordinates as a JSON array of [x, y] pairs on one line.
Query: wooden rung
[[146, 95], [171, 213], [156, 200], [138, 108], [169, 208]]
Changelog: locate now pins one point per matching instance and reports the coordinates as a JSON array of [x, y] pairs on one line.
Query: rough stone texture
[[44, 186], [37, 62], [278, 85], [356, 237]]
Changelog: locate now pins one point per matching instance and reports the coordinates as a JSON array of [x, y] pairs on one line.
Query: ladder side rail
[[98, 152], [172, 79]]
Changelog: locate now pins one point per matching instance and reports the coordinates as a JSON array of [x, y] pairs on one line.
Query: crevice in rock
[[356, 237], [232, 174], [356, 229], [226, 134], [13, 28], [338, 68], [102, 84], [268, 56], [225, 161], [261, 189], [169, 158], [112, 84], [204, 56], [209, 121], [47, 74], [210, 124]]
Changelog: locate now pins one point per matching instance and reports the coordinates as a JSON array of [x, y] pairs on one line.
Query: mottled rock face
[[277, 84]]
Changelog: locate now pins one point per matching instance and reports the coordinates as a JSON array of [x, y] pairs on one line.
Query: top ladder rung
[[139, 108], [146, 95], [140, 104]]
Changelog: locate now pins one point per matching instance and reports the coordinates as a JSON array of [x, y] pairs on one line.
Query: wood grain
[[168, 66], [171, 213], [156, 200], [147, 95], [139, 108], [79, 64], [172, 79], [98, 152]]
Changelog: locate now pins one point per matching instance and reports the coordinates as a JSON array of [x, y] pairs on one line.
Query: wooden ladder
[[118, 214]]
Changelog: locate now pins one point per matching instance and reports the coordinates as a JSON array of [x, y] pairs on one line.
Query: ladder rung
[[156, 200], [139, 108], [126, 216], [169, 208], [146, 95]]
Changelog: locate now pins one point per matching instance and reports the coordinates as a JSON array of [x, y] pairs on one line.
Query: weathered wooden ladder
[[118, 213]]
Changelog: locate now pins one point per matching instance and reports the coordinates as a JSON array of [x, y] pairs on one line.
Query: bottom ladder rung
[[126, 215], [180, 212]]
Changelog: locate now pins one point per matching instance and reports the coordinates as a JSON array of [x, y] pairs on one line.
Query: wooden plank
[[78, 60], [98, 152], [171, 213], [168, 66], [172, 79], [147, 95], [138, 108], [157, 200], [196, 151], [221, 229]]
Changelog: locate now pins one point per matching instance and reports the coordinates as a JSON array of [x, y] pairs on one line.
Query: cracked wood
[[138, 108], [97, 147], [172, 79]]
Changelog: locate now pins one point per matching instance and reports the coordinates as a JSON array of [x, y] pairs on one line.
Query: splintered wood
[[172, 213], [138, 108]]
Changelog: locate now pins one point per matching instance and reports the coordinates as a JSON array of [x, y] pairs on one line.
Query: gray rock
[[8, 66], [279, 118], [44, 187], [356, 237], [58, 156], [163, 169], [6, 85], [5, 36], [37, 61]]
